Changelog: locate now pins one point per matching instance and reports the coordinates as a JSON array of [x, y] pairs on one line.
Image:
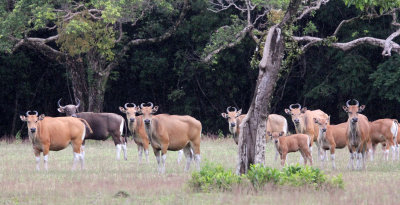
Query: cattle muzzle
[[354, 120], [147, 121], [276, 141], [233, 124], [323, 129], [74, 115], [132, 119], [296, 121], [33, 130]]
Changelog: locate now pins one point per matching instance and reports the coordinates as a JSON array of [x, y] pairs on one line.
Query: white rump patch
[[84, 131], [121, 127]]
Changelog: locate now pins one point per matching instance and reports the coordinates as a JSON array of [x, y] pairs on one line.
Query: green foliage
[[213, 177], [310, 28], [383, 5], [386, 79]]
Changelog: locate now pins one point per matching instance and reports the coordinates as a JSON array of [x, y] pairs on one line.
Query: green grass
[[104, 177]]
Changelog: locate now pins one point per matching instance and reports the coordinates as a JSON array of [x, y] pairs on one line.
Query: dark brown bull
[[102, 124], [54, 134], [358, 133]]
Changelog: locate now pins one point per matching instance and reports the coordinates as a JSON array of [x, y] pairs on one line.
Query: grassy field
[[105, 177]]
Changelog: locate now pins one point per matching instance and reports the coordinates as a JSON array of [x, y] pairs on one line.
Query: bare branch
[[222, 5], [349, 45], [308, 10], [120, 33], [344, 22], [238, 38]]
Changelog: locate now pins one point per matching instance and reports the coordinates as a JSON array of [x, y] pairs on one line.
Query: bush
[[213, 177]]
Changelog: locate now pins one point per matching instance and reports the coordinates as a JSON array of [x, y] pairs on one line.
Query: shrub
[[260, 175], [213, 177]]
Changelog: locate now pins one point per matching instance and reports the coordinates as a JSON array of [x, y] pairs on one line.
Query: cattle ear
[[23, 118], [41, 117], [122, 109], [303, 110], [239, 112], [315, 120], [224, 115], [155, 108], [362, 107], [61, 110], [288, 111], [345, 108]]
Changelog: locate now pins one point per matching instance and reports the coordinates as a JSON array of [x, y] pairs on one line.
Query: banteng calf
[[277, 123], [291, 143], [331, 137]]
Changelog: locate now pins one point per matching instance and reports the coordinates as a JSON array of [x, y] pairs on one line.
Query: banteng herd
[[166, 132]]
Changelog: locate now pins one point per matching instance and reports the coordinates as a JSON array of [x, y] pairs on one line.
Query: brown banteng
[[357, 131], [172, 132], [54, 134], [103, 125], [234, 117], [276, 123], [136, 127], [331, 137], [382, 131], [304, 123], [291, 143]]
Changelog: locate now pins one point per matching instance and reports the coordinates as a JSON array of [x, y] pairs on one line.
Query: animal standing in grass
[[277, 123], [103, 125], [234, 117], [358, 134], [383, 131], [291, 143], [304, 123], [54, 134], [172, 132], [331, 137]]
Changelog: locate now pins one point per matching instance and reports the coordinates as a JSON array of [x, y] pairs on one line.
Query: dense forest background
[[171, 75]]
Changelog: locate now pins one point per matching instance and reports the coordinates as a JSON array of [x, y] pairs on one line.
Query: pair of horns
[[347, 103], [142, 105], [59, 105], [229, 108], [126, 105], [36, 113], [297, 104]]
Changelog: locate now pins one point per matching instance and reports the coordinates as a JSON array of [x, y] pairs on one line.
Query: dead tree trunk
[[252, 139]]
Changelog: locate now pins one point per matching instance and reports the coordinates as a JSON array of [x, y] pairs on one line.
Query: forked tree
[[270, 23], [89, 37]]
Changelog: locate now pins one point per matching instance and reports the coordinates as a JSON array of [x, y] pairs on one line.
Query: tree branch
[[349, 45], [312, 8], [238, 38], [342, 23]]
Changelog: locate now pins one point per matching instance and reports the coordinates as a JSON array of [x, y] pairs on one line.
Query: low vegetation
[[214, 177]]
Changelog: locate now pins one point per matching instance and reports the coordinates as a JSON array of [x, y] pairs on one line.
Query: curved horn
[[134, 105], [347, 103], [27, 113], [79, 102], [36, 113], [298, 104], [291, 106], [228, 108], [151, 104], [235, 109], [141, 105], [59, 105], [126, 106], [357, 104]]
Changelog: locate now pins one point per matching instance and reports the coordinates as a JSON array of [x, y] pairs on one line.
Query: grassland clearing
[[107, 181]]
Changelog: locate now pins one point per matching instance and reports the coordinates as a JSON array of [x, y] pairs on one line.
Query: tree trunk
[[77, 71], [98, 74], [252, 139]]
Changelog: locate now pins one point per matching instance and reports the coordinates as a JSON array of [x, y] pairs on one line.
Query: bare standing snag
[[54, 134]]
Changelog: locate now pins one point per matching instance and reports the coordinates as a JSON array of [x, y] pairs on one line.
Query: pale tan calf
[[382, 131], [304, 123], [172, 132], [276, 123], [136, 127], [234, 117], [331, 137], [358, 134], [54, 134], [291, 143]]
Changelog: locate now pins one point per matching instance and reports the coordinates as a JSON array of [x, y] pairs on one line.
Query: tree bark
[[252, 139], [77, 72]]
